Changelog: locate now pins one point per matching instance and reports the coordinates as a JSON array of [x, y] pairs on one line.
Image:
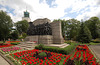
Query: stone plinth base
[[43, 39], [58, 41]]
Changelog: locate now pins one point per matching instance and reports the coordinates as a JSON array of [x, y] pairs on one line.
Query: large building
[[26, 16]]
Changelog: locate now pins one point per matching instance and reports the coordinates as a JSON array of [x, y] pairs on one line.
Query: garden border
[[8, 60]]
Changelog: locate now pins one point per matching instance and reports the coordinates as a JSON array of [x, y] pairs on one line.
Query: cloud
[[94, 11], [53, 9], [98, 2]]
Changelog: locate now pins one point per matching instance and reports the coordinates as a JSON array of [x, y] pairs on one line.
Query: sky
[[51, 9]]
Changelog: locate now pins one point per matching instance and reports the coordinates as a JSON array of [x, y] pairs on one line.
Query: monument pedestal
[[40, 39], [57, 32]]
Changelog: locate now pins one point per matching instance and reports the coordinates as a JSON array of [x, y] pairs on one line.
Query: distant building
[[26, 16]]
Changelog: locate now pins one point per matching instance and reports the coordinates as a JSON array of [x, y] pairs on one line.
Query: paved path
[[96, 50], [3, 61]]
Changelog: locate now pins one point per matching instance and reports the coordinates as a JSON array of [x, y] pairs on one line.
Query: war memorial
[[43, 31]]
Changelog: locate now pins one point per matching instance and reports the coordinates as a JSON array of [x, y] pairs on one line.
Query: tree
[[14, 35], [94, 26], [84, 34], [22, 26], [72, 28], [5, 25]]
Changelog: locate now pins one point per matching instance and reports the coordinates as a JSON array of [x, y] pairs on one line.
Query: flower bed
[[9, 50], [35, 57], [12, 41], [5, 45], [81, 56]]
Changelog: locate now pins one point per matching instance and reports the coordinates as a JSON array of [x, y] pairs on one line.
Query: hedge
[[15, 43], [65, 50]]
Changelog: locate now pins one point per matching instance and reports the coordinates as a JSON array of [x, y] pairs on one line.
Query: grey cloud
[[18, 4], [98, 2], [98, 15]]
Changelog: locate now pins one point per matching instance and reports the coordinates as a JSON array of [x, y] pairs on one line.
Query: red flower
[[54, 63], [45, 58], [34, 62], [40, 64]]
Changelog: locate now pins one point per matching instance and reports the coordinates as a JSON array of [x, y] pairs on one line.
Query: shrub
[[68, 42], [96, 40], [41, 46], [42, 54], [65, 50], [15, 43]]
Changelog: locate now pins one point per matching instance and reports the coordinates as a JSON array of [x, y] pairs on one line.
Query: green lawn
[[93, 43]]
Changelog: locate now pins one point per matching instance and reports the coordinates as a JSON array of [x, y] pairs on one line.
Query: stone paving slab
[[96, 50], [58, 45], [3, 61]]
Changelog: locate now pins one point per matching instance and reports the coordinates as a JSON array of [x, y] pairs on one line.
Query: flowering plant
[[81, 56], [6, 45], [36, 57], [9, 49], [31, 57]]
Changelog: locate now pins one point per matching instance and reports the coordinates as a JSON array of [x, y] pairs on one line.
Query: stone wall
[[31, 38], [46, 39], [43, 39]]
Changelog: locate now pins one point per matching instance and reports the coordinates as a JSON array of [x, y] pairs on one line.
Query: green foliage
[[92, 43], [65, 50], [42, 54], [1, 41], [5, 25], [24, 35], [94, 26], [73, 28], [41, 46], [96, 40], [14, 35], [84, 34], [15, 43], [22, 26], [68, 42]]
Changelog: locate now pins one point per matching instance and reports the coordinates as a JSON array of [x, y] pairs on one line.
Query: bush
[[65, 50], [15, 43], [42, 54], [68, 42], [96, 40], [41, 46], [14, 35]]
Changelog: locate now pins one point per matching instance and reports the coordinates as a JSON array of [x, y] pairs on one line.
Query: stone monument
[[44, 31]]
